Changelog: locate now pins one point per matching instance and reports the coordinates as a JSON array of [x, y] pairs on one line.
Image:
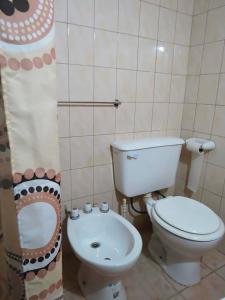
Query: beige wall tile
[[145, 86], [103, 179], [217, 156], [126, 85], [162, 87], [212, 58], [204, 118], [102, 149], [65, 186], [105, 84], [219, 121], [127, 52], [175, 116], [106, 14], [198, 29], [81, 152], [172, 4], [214, 179], [64, 146], [200, 6], [214, 30], [82, 182], [61, 43], [81, 12], [105, 48], [208, 86], [221, 90], [183, 29], [104, 120], [62, 92], [164, 57], [211, 200], [192, 85], [178, 83], [160, 116], [180, 60], [81, 45], [146, 55], [104, 197], [195, 60], [188, 116], [167, 23], [149, 20], [61, 10], [81, 83], [63, 121], [186, 6], [143, 116], [125, 118], [81, 121], [129, 16]]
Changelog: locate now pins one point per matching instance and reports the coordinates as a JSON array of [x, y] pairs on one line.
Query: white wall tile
[[65, 186], [188, 116], [81, 12], [81, 83], [178, 83], [172, 4], [219, 121], [104, 120], [186, 6], [102, 150], [160, 116], [221, 90], [64, 147], [211, 200], [81, 47], [195, 60], [174, 116], [129, 16], [63, 121], [214, 30], [105, 48], [146, 55], [214, 179], [60, 10], [103, 179], [192, 85], [106, 14], [217, 156], [180, 60], [125, 118], [200, 6], [149, 20]]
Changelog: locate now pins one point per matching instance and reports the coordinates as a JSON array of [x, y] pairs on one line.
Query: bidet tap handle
[[74, 215], [87, 208], [104, 207]]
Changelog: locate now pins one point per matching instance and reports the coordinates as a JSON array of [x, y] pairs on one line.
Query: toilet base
[[97, 287], [186, 271]]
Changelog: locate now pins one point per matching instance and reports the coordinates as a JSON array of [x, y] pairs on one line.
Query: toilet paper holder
[[197, 147]]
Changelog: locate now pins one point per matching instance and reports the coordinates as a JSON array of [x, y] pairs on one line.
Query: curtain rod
[[115, 103]]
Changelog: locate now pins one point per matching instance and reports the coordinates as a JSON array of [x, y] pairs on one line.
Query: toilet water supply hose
[[143, 212]]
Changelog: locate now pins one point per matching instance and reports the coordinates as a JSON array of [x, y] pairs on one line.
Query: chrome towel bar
[[115, 103]]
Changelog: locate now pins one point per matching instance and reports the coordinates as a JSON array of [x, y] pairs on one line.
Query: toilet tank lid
[[137, 144]]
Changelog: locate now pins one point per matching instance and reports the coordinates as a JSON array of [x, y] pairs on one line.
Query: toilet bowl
[[183, 231], [107, 246]]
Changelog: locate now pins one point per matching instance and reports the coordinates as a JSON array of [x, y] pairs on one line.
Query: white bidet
[[108, 246]]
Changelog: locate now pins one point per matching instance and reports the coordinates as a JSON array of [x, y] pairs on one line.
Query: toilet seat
[[186, 217]]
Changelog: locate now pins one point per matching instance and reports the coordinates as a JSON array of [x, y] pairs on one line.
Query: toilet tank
[[145, 165]]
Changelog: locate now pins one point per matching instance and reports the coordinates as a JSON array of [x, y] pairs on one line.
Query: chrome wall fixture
[[115, 103]]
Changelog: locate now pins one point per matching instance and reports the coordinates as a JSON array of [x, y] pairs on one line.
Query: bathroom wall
[[136, 51], [204, 107]]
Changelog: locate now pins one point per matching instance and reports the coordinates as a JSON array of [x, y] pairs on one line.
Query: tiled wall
[[204, 107], [136, 51]]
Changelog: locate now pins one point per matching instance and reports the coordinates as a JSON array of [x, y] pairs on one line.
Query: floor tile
[[221, 272], [214, 260], [210, 288]]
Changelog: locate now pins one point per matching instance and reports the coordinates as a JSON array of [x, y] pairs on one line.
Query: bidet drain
[[95, 245], [107, 258]]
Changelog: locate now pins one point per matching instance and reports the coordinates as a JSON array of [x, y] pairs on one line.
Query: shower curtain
[[29, 158]]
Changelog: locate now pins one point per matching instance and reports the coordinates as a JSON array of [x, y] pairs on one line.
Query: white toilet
[[108, 246], [183, 229]]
